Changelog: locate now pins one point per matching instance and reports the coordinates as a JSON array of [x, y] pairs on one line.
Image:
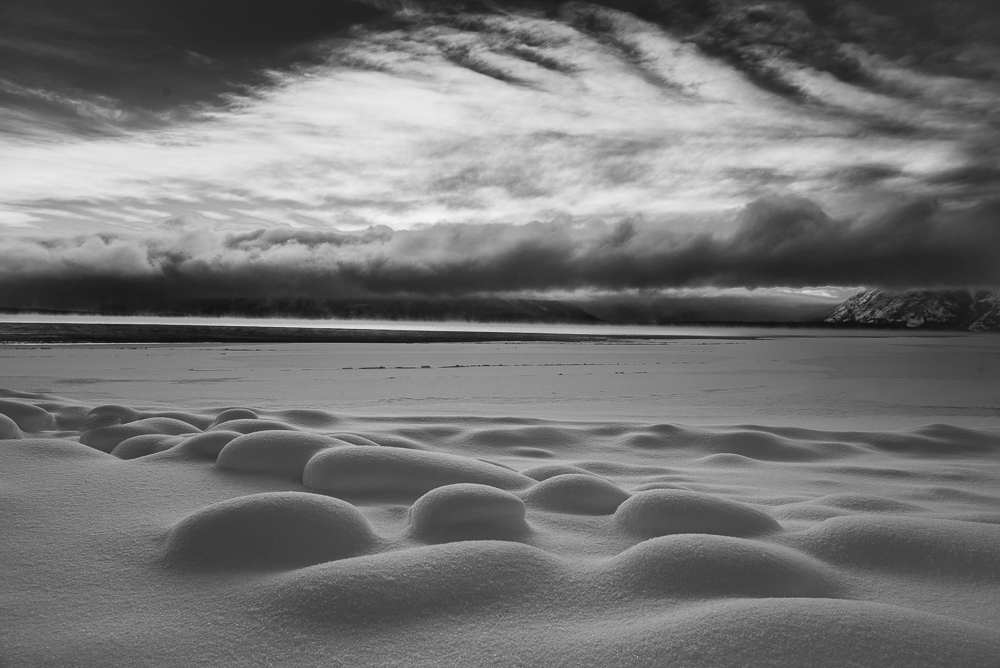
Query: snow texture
[[199, 536]]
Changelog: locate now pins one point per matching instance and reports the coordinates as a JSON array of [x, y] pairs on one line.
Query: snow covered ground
[[788, 502], [874, 381]]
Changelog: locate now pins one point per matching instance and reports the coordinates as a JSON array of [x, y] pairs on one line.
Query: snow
[[158, 534]]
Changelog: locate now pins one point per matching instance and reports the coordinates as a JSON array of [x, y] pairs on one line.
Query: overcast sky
[[354, 147]]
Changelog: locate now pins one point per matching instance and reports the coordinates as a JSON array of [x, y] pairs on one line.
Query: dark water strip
[[34, 333]]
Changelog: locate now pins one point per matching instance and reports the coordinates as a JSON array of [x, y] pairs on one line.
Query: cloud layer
[[783, 241], [343, 147]]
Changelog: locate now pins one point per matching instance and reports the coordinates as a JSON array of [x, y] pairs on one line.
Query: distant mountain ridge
[[971, 310], [620, 310]]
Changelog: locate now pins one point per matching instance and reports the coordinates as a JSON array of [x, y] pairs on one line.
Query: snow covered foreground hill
[[972, 310]]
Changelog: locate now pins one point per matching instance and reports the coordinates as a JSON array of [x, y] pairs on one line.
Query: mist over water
[[612, 330]]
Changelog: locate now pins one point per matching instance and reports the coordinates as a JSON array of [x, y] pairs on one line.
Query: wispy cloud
[[507, 117]]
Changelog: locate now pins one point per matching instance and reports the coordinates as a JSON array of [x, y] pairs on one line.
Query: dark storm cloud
[[104, 64], [159, 54], [778, 242]]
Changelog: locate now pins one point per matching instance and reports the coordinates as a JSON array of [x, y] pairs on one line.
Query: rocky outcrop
[[972, 310]]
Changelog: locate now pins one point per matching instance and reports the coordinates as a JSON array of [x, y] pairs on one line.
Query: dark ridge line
[[36, 333]]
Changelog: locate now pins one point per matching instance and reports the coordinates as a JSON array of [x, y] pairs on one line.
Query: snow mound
[[546, 471], [309, 418], [467, 511], [399, 471], [231, 414], [867, 503], [274, 451], [908, 545], [705, 566], [354, 439], [107, 438], [726, 459], [471, 580], [112, 414], [9, 430], [57, 449], [67, 416], [771, 447], [206, 445], [576, 493], [938, 439], [144, 445], [28, 417], [251, 425], [524, 440], [786, 633], [270, 531], [805, 512], [661, 512], [389, 440]]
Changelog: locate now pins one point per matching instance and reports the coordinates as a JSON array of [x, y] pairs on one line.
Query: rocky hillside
[[972, 310]]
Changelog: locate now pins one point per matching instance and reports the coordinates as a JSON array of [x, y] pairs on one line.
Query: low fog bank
[[615, 308]]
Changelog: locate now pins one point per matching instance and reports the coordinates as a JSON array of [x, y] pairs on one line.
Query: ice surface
[[875, 382]]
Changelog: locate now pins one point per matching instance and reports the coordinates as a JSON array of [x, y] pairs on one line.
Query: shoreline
[[124, 334], [129, 333]]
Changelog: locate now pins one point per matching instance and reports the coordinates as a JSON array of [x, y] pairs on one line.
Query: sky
[[340, 147]]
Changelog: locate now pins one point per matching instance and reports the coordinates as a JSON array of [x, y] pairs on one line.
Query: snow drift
[[318, 540]]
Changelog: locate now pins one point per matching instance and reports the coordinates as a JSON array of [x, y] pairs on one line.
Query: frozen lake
[[878, 381]]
